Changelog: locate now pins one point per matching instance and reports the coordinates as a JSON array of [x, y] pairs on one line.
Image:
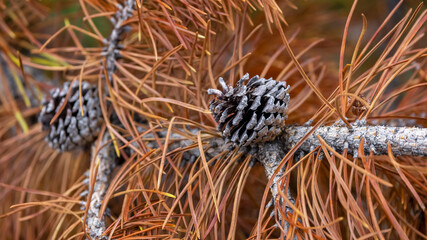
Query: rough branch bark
[[403, 140], [112, 48], [95, 223], [270, 154], [107, 161]]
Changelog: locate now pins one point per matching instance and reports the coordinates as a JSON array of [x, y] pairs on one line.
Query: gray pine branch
[[95, 223], [410, 141], [403, 141], [107, 161], [113, 47], [270, 155]]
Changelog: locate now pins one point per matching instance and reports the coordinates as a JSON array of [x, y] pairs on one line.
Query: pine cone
[[71, 130], [251, 113]]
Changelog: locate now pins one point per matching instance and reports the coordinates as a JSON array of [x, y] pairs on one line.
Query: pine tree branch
[[106, 156], [112, 48], [105, 160], [403, 140], [270, 155]]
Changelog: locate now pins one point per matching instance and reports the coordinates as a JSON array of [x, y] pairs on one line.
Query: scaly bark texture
[[112, 48], [107, 157], [270, 154], [107, 161], [403, 140]]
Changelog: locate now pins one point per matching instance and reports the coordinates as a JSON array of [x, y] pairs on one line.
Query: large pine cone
[[71, 130], [251, 113]]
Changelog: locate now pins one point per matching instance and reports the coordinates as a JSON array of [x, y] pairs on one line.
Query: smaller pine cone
[[251, 113], [71, 130]]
